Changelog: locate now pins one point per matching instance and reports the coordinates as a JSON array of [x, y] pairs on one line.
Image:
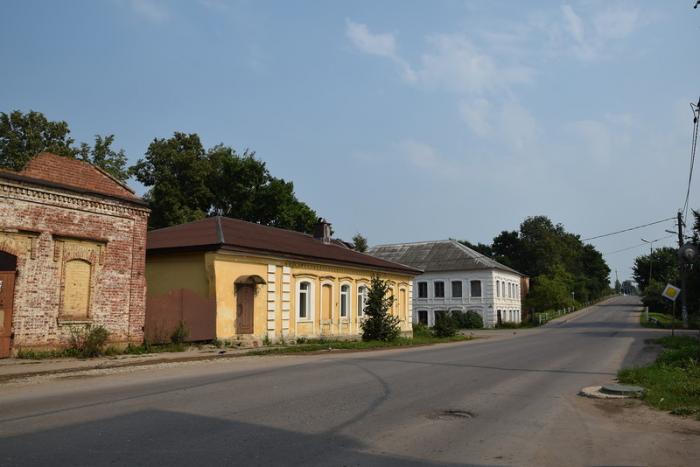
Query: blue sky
[[403, 120]]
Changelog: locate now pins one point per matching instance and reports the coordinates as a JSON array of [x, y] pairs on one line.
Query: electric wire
[[635, 246], [628, 229], [693, 148]]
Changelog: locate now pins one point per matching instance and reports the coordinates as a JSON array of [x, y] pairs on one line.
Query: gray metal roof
[[441, 255]]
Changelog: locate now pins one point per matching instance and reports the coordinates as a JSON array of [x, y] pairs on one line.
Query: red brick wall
[[118, 294]]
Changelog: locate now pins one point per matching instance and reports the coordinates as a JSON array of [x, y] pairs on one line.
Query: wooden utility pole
[[681, 266]]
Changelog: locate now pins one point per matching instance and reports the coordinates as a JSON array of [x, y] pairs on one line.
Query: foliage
[[380, 324], [482, 248], [88, 341], [187, 183], [557, 262], [618, 286], [359, 243], [673, 381], [664, 267], [23, 136], [445, 325], [468, 320], [421, 330], [180, 333]]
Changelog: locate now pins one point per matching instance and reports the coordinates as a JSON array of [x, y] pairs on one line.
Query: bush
[[469, 320], [88, 341], [445, 325], [180, 333], [421, 330], [379, 324]]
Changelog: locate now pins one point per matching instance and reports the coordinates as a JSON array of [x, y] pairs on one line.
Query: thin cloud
[[381, 44]]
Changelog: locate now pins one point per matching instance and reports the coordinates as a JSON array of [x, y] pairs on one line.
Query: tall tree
[[103, 156], [187, 182], [23, 136], [178, 172], [663, 263], [359, 243]]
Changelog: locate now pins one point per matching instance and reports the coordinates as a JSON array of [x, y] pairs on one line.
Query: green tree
[[478, 247], [23, 136], [179, 174], [379, 324], [663, 263], [103, 156], [618, 286], [187, 183], [359, 243]]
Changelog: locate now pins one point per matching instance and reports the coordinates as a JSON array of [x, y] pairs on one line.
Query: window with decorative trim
[[475, 287], [423, 290], [456, 289], [498, 289], [439, 289], [344, 300], [304, 300], [361, 300]]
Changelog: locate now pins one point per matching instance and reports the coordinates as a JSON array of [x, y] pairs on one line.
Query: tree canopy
[[23, 136], [187, 183], [359, 243], [557, 262]]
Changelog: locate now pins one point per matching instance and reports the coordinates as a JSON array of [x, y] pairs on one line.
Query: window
[[439, 289], [498, 288], [503, 289], [423, 317], [76, 289], [456, 289], [475, 288], [304, 308], [361, 299], [510, 290], [344, 300], [422, 290]]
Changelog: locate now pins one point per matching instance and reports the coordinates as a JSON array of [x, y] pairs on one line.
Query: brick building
[[72, 254]]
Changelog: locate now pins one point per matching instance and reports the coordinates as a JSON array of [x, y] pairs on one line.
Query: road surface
[[500, 401]]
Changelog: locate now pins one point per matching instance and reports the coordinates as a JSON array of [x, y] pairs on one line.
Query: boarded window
[[76, 292]]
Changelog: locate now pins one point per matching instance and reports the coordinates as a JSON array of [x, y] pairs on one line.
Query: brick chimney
[[322, 230]]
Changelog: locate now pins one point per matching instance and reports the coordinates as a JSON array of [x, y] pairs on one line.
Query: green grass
[[108, 351], [664, 321], [319, 345], [672, 382]]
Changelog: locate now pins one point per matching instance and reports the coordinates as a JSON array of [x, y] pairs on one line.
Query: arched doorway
[[8, 270], [246, 287]]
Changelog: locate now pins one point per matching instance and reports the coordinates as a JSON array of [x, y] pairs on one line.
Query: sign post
[[671, 292]]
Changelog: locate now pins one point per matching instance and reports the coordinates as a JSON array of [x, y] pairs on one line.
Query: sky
[[402, 120]]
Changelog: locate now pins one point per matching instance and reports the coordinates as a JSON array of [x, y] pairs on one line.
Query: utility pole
[[681, 266]]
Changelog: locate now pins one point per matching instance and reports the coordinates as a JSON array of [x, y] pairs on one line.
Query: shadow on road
[[155, 437]]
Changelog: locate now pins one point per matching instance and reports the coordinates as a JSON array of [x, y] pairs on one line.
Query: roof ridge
[[411, 243]]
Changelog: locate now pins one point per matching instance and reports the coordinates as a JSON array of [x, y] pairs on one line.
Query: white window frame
[[481, 288], [345, 300], [310, 300], [361, 299]]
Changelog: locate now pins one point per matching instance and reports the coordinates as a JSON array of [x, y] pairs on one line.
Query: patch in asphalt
[[451, 414]]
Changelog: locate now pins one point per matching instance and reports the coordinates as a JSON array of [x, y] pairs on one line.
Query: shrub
[[88, 341], [469, 320], [180, 333], [379, 324], [421, 330], [445, 325]]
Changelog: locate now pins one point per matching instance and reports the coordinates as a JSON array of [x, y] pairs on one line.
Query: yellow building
[[231, 279]]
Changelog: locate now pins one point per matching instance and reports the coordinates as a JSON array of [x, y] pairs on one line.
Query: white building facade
[[457, 278]]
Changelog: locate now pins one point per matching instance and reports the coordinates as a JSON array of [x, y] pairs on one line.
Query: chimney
[[322, 230]]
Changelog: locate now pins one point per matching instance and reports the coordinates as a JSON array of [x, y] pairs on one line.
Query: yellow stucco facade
[[291, 298]]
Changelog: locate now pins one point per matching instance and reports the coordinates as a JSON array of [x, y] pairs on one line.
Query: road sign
[[671, 292]]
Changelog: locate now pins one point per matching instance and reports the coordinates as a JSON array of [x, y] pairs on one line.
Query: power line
[[693, 147], [627, 230], [635, 246]]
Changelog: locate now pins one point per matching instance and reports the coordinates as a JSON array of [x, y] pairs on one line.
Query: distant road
[[514, 402]]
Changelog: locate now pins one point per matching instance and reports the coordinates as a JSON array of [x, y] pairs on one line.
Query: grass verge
[[659, 320], [672, 382], [319, 345], [109, 351]]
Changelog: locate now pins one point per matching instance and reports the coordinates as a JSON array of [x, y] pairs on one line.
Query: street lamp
[[651, 257]]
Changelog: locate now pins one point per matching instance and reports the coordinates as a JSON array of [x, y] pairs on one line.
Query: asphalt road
[[516, 397]]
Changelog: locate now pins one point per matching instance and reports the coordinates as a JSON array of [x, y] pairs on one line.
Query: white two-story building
[[456, 277]]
